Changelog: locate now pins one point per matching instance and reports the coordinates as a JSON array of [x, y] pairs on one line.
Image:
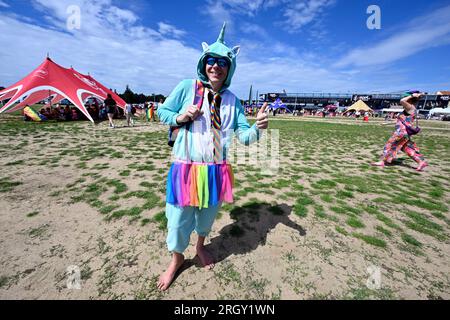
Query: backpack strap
[[198, 101], [199, 91], [199, 94]]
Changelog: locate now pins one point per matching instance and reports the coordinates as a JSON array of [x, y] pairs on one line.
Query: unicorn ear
[[205, 46], [236, 50]]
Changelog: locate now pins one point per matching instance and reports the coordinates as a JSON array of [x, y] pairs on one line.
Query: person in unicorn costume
[[200, 179]]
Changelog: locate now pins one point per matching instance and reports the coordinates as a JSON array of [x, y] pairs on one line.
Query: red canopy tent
[[52, 80]]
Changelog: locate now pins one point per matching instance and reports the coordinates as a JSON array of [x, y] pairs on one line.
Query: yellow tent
[[359, 106]]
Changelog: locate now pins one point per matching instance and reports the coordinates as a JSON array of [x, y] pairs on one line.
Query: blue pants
[[181, 221]]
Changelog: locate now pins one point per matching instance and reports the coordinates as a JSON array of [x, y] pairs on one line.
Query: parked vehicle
[[423, 114]]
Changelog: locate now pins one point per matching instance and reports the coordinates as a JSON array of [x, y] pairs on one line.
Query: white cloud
[[111, 45], [253, 29], [216, 13], [246, 7], [3, 4], [428, 31], [115, 14], [97, 17], [169, 30], [296, 13], [124, 53], [300, 13]]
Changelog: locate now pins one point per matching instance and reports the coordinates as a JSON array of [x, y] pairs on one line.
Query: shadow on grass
[[400, 162], [253, 222]]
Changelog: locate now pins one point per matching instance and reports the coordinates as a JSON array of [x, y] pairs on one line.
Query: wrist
[[179, 120]]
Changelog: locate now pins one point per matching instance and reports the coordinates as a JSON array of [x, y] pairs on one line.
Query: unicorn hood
[[218, 49]]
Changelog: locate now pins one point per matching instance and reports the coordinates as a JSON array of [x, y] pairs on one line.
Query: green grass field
[[322, 219]]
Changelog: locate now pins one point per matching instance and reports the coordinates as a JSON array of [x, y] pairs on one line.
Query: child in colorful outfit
[[200, 178], [151, 113], [400, 140]]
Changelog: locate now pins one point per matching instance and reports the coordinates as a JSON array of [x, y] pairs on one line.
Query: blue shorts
[[181, 221]]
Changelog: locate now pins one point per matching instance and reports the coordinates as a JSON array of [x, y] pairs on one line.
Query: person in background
[[110, 105], [146, 110], [151, 112], [366, 116], [102, 113], [67, 114], [74, 114], [48, 113], [401, 139], [55, 113], [129, 114]]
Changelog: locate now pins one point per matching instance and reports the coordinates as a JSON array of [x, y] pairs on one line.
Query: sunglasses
[[221, 62]]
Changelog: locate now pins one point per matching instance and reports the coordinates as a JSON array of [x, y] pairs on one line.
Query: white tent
[[440, 111], [359, 106]]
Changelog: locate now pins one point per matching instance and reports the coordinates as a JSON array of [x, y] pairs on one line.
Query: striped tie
[[215, 127]]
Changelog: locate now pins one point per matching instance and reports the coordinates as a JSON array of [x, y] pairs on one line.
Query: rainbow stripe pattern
[[199, 185], [215, 127], [32, 114]]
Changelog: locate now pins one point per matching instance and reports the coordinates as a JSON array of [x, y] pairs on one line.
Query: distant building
[[295, 101]]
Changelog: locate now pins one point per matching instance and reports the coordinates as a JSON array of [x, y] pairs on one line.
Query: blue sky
[[292, 45]]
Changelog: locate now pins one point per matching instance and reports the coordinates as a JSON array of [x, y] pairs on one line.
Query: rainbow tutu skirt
[[199, 185]]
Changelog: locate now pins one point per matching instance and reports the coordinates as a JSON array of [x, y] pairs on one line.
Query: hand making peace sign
[[262, 119]]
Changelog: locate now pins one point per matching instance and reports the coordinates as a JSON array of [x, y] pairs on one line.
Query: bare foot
[[378, 164], [205, 258], [167, 277], [422, 165]]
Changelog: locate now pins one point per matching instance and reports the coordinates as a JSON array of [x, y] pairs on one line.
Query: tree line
[[130, 97]]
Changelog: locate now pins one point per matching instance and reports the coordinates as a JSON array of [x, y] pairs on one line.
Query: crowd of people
[[98, 112], [61, 112], [314, 113], [108, 110]]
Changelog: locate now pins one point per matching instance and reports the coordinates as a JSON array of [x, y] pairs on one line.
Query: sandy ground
[[44, 234]]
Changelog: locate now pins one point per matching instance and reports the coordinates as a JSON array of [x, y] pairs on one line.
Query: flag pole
[[257, 99]]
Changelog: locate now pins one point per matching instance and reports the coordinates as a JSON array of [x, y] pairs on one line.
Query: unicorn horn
[[222, 34]]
